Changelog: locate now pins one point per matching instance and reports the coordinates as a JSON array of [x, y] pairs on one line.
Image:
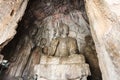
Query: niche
[[40, 20]]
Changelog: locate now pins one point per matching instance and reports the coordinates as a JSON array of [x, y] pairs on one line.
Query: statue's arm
[[53, 47], [74, 47]]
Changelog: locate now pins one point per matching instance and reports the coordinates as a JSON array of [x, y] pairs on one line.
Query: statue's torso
[[65, 46], [62, 48]]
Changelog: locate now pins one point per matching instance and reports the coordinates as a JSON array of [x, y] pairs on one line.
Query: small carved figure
[[33, 60], [43, 42], [43, 46], [63, 46]]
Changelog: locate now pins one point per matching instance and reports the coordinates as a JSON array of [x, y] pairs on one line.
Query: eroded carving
[[64, 45], [43, 46], [63, 60]]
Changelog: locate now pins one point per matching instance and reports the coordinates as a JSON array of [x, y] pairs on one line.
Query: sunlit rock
[[104, 20], [11, 12]]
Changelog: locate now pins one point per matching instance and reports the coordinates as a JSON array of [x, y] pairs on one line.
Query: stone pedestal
[[66, 68]]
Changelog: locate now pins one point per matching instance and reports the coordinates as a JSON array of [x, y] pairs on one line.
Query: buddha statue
[[62, 61], [64, 45]]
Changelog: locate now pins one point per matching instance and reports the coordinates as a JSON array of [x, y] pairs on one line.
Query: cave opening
[[38, 22]]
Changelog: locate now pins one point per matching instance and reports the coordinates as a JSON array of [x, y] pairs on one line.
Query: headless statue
[[63, 46]]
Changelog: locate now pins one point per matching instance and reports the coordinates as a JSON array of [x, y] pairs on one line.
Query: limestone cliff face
[[104, 17], [11, 12]]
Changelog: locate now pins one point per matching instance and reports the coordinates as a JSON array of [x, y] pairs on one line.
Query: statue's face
[[43, 41]]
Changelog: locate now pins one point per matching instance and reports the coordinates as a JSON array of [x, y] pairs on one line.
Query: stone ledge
[[62, 71], [55, 68], [75, 58]]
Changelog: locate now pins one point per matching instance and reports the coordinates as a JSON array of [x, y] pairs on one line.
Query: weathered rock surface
[[19, 60], [55, 68], [104, 20], [39, 22], [91, 58], [1, 58], [11, 12], [78, 28], [104, 17], [24, 62], [33, 60]]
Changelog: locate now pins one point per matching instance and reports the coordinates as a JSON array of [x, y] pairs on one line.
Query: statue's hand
[[54, 42], [53, 47]]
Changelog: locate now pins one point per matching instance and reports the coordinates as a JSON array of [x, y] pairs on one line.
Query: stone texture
[[91, 58], [20, 59], [78, 28], [55, 68], [104, 24], [11, 12], [1, 58], [32, 34], [39, 22], [33, 60], [104, 17]]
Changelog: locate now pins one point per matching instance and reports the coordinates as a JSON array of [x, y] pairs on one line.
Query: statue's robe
[[61, 47]]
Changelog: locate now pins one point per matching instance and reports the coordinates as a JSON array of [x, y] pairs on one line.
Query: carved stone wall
[[34, 27], [41, 19], [78, 28]]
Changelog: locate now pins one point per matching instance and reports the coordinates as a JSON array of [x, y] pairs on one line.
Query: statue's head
[[65, 30], [43, 42]]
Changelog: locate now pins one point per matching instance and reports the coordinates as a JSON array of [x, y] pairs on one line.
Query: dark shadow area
[[91, 58]]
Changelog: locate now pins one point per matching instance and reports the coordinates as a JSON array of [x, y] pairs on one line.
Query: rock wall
[[104, 17], [78, 28], [11, 12], [39, 22], [45, 29]]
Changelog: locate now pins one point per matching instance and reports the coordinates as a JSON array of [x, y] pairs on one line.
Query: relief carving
[[61, 60]]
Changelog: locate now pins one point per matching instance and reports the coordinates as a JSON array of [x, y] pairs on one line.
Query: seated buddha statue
[[62, 62], [64, 45]]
